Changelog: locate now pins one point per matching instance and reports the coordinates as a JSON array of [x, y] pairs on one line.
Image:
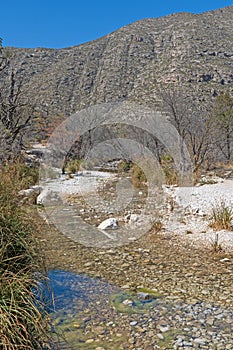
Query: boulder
[[110, 223], [29, 195], [48, 197], [30, 191]]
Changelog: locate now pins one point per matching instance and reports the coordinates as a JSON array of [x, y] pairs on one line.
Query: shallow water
[[76, 302], [81, 306], [88, 313], [71, 291]]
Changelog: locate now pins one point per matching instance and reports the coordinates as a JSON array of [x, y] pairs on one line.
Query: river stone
[[143, 296], [127, 302], [200, 341]]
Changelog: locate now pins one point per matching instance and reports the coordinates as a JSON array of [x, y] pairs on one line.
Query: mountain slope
[[132, 62]]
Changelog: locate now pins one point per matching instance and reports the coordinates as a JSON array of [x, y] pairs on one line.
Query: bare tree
[[15, 113], [175, 104], [200, 139], [223, 119], [4, 58], [192, 121]]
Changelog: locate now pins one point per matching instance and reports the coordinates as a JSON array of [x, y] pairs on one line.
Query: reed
[[24, 323]]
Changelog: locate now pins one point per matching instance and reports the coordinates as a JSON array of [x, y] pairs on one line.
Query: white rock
[[224, 260], [133, 218], [108, 223], [42, 196], [127, 302], [47, 196], [30, 191]]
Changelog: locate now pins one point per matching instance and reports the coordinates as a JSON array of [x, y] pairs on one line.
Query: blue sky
[[63, 23]]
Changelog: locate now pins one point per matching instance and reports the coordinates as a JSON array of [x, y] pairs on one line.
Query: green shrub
[[73, 166]]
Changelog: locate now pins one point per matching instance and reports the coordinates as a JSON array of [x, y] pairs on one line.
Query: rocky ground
[[188, 286]]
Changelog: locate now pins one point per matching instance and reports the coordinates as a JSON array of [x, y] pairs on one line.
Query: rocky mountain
[[132, 63]]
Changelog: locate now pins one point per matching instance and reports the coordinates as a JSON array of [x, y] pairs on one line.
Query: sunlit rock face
[[132, 62]]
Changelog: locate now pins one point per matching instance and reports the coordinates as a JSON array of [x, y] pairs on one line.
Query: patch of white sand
[[191, 216]]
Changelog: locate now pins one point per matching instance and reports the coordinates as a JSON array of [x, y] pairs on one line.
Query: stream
[[74, 301]]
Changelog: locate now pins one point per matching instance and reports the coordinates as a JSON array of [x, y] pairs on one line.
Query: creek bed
[[193, 303]]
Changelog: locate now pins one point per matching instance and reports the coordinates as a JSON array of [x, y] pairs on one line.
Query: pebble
[[89, 341], [200, 341], [163, 328], [127, 302], [160, 336]]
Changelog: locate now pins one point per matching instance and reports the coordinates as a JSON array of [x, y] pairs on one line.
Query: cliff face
[[132, 62]]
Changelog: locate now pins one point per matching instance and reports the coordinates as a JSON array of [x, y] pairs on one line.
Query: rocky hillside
[[132, 62]]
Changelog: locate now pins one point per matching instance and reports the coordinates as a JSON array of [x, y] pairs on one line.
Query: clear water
[[82, 306]]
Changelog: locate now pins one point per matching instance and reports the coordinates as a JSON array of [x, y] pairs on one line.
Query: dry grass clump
[[222, 216], [23, 324], [157, 226]]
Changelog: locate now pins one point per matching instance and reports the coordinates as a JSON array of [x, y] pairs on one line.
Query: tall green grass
[[23, 321]]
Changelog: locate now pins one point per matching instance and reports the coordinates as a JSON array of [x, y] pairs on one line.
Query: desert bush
[[16, 176], [138, 176], [171, 176], [222, 216], [73, 166], [124, 166]]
